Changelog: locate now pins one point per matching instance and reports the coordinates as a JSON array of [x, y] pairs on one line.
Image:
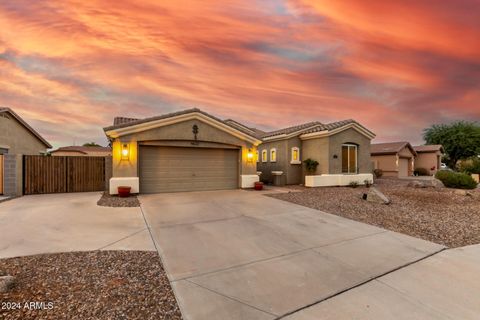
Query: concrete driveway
[[68, 222], [241, 255]]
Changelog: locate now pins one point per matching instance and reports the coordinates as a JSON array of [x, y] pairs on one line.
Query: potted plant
[[124, 191], [310, 165]]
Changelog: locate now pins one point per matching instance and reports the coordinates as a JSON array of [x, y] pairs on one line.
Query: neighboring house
[[340, 148], [17, 138], [83, 151], [395, 159], [429, 157], [192, 150]]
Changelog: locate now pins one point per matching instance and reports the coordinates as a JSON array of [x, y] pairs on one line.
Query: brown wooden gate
[[54, 174]]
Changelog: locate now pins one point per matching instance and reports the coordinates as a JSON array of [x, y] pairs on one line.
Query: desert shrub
[[378, 173], [421, 172], [470, 166], [456, 180], [310, 165], [353, 184], [367, 183]]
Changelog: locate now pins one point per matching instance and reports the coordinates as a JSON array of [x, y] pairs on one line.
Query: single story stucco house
[[429, 157], [341, 148], [192, 150], [395, 159], [82, 151], [17, 138]]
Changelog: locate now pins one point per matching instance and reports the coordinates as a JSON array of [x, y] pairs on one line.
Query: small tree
[[310, 165], [461, 139]]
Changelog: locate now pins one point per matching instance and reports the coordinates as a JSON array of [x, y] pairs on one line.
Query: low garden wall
[[330, 180]]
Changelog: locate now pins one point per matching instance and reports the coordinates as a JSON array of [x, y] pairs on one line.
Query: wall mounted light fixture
[[250, 155], [125, 151]]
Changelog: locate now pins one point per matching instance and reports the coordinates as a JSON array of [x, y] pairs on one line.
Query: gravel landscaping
[[439, 215], [88, 285], [108, 200]]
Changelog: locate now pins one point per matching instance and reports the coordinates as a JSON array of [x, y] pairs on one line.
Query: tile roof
[[309, 127], [255, 131], [389, 147], [315, 126], [179, 113], [292, 129], [26, 125], [122, 120], [429, 148]]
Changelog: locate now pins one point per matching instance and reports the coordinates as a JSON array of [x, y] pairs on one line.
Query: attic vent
[[4, 115]]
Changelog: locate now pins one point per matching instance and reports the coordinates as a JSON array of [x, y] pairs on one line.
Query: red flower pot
[[124, 191], [258, 185]]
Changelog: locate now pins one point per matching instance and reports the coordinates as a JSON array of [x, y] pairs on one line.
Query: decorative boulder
[[462, 192], [374, 195], [6, 283], [435, 183], [416, 184]]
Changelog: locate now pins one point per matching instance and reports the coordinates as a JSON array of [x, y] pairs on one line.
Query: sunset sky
[[68, 67]]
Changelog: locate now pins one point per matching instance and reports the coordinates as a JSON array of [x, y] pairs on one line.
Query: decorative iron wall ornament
[[195, 133]]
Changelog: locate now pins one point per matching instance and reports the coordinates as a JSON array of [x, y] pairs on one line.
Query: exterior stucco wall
[[405, 153], [364, 162], [179, 134], [267, 167], [18, 139], [387, 163], [428, 160], [317, 149], [292, 173]]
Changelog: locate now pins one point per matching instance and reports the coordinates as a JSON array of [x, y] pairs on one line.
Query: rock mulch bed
[[88, 285], [108, 200], [436, 214]]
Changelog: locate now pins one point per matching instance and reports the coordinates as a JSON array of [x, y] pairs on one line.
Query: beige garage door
[[172, 169], [403, 168]]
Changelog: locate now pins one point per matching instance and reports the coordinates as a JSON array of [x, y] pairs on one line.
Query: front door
[[349, 158]]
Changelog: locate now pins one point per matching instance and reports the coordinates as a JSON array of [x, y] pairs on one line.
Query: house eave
[[288, 136], [327, 133], [135, 128]]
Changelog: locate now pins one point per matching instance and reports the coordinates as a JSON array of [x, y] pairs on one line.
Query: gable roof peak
[[26, 125]]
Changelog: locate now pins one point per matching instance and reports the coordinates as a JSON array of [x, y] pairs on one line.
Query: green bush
[[353, 184], [456, 180], [378, 173], [421, 172], [310, 165], [470, 166]]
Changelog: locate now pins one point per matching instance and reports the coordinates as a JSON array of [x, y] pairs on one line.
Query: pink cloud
[[394, 66]]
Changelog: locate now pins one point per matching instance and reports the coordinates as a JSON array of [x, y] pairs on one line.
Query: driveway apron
[[241, 255]]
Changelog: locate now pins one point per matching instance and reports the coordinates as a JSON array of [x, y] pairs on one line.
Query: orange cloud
[[395, 66]]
